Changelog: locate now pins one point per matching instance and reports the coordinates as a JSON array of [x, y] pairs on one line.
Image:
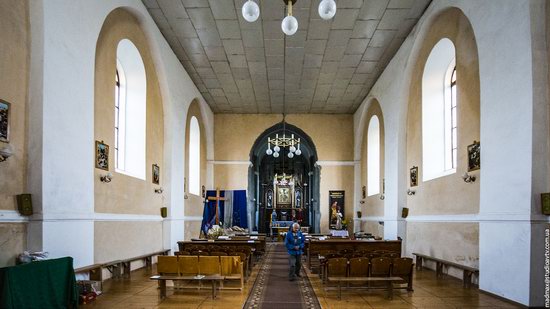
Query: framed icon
[[156, 174], [4, 121], [474, 156], [414, 176], [101, 155]]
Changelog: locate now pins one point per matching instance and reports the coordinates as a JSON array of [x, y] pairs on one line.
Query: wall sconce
[[185, 196], [5, 153], [382, 196], [411, 192], [362, 202], [468, 178], [159, 190], [106, 178]]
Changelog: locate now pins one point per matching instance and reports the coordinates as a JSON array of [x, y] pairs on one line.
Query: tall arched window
[[130, 111], [194, 156], [373, 156], [439, 122]]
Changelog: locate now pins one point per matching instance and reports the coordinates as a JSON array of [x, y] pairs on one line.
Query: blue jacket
[[291, 242]]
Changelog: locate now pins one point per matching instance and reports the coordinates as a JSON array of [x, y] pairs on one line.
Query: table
[[339, 233], [162, 280]]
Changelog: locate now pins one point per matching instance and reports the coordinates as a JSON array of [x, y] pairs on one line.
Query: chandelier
[[251, 12], [283, 180], [277, 142]]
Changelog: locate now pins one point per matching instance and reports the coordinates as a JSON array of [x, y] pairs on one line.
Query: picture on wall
[[414, 176], [156, 174], [298, 198], [336, 202], [269, 199], [101, 155], [283, 195], [474, 156], [364, 192], [4, 121]]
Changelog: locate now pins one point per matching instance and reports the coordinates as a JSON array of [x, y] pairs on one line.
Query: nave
[[268, 287]]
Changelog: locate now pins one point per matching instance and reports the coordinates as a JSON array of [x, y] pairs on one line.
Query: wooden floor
[[140, 292]]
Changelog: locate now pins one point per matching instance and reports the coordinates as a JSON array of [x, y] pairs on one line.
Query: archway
[[303, 176]]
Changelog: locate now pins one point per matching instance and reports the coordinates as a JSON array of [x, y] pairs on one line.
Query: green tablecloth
[[43, 284]]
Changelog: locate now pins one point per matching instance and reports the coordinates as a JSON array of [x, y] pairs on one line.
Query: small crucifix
[[217, 198]]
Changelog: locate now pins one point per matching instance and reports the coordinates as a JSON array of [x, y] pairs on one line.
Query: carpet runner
[[272, 289]]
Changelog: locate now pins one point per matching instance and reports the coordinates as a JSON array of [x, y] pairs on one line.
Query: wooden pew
[[94, 272], [467, 271], [316, 246], [388, 280], [148, 258]]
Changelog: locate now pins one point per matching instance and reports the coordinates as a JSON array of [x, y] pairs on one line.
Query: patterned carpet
[[272, 288]]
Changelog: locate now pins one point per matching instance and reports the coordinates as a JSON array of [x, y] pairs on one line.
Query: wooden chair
[[182, 253], [200, 253], [380, 267], [244, 259], [403, 267], [188, 265], [231, 268], [359, 267], [209, 265], [337, 267], [167, 265], [218, 253], [391, 255]]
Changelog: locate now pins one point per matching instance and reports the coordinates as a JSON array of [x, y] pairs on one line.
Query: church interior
[[168, 146]]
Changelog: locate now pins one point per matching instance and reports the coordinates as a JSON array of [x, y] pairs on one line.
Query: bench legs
[[390, 290], [439, 269], [418, 262], [162, 291], [467, 278]]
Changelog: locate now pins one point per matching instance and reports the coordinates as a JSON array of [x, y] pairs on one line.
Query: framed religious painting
[[474, 156], [336, 210], [283, 195], [414, 176], [101, 155], [4, 121], [156, 174], [298, 198], [269, 198]]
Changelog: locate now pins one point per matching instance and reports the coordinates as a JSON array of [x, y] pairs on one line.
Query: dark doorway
[[302, 182]]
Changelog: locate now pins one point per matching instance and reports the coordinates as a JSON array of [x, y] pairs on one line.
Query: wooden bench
[[115, 268], [214, 279], [467, 270], [94, 272], [126, 263], [389, 283]]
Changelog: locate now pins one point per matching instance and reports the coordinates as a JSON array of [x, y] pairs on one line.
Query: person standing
[[294, 242]]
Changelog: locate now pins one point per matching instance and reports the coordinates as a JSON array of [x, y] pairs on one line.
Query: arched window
[[373, 156], [439, 122], [194, 156], [130, 111]]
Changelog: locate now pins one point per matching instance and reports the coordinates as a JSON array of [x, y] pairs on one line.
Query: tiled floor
[[140, 292]]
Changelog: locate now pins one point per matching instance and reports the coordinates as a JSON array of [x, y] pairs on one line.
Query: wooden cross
[[217, 198]]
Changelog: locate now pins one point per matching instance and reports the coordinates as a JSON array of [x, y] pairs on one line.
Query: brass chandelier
[[278, 143]]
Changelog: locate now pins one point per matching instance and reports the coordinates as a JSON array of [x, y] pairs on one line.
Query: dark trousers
[[295, 263]]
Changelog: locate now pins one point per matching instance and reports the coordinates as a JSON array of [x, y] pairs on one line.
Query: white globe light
[[298, 152], [269, 152], [327, 9], [276, 148], [292, 149], [289, 25], [251, 11], [290, 155], [276, 154]]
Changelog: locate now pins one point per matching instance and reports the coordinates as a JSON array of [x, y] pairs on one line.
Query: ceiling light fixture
[[251, 12]]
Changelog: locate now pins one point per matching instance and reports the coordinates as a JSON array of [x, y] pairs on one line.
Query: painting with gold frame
[[4, 121], [413, 176], [474, 156], [283, 195], [156, 174], [101, 155]]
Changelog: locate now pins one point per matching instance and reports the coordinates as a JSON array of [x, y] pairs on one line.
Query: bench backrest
[[359, 267], [188, 265], [167, 265]]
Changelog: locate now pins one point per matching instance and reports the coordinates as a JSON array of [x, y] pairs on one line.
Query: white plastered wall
[[509, 195], [61, 111]]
